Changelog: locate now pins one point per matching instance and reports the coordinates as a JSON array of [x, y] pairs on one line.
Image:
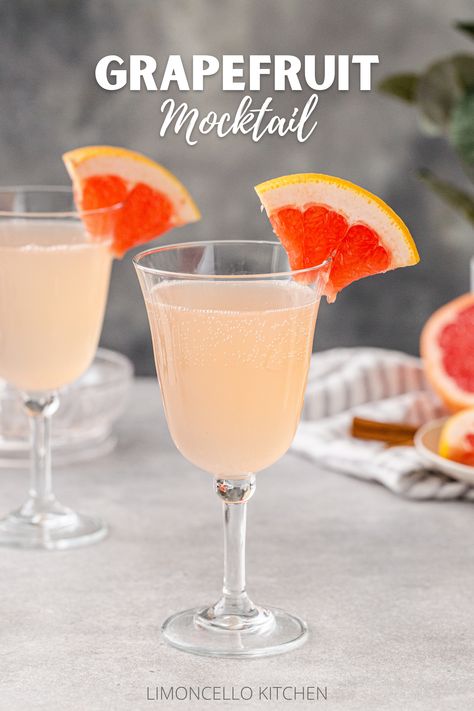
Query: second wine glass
[[53, 289]]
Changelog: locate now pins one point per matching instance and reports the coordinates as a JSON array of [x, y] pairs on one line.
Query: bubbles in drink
[[232, 359]]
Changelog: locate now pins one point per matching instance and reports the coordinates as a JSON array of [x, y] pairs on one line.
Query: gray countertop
[[386, 585]]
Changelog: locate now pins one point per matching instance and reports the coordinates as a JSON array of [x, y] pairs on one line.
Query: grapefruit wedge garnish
[[318, 216], [152, 199], [447, 349], [456, 440]]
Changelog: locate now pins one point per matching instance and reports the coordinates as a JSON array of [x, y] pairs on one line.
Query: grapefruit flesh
[[447, 349], [152, 200], [318, 216], [456, 441]]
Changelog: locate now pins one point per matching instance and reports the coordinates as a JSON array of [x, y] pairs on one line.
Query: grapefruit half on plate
[[153, 200], [318, 216], [447, 349]]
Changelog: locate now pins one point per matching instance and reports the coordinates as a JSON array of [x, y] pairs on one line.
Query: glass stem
[[235, 493], [235, 521], [40, 409]]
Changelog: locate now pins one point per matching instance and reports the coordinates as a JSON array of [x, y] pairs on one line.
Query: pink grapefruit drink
[[54, 284], [56, 252], [232, 323], [232, 360]]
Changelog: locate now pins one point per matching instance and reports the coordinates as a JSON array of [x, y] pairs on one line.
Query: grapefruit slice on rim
[[456, 441], [447, 349], [153, 199], [318, 216]]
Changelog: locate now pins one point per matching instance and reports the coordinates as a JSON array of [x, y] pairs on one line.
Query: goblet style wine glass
[[232, 329], [53, 289]]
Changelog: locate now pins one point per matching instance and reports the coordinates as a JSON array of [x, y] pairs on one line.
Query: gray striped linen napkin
[[375, 384]]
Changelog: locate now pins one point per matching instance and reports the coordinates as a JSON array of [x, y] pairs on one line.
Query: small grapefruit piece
[[319, 216], [153, 199], [447, 349], [456, 440]]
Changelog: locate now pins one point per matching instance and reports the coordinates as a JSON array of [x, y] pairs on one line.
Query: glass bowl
[[83, 425]]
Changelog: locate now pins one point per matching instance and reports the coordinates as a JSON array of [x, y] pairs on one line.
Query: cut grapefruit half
[[318, 216], [447, 349], [456, 441], [153, 199]]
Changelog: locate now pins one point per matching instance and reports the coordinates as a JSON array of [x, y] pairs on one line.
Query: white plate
[[426, 443]]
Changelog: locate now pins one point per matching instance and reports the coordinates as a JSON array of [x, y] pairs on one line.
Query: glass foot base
[[54, 527], [273, 631]]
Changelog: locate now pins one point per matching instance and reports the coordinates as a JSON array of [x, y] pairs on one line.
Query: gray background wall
[[49, 102]]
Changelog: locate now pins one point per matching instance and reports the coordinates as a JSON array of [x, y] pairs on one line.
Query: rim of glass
[[204, 243], [49, 214]]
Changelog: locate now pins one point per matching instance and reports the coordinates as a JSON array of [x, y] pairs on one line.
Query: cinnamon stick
[[393, 433]]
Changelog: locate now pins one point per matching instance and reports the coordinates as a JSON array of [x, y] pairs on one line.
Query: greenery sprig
[[444, 96]]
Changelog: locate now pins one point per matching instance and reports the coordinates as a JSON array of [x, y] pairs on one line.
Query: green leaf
[[441, 88], [461, 129], [459, 199], [403, 86], [467, 27]]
